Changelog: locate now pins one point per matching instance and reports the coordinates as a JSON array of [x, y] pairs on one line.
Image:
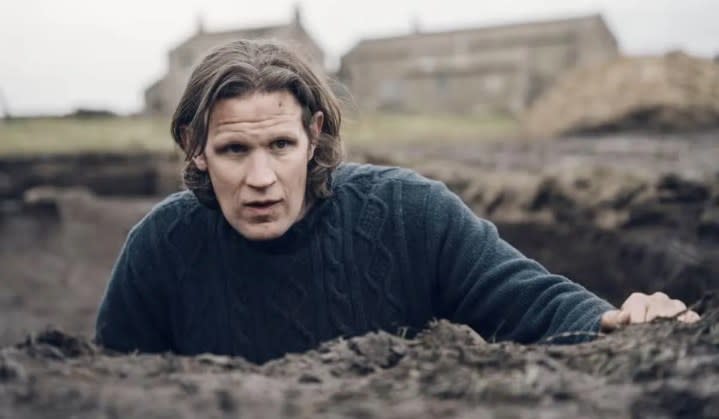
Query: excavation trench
[[614, 264], [55, 270]]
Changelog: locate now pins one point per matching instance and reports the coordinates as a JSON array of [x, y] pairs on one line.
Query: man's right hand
[[642, 308]]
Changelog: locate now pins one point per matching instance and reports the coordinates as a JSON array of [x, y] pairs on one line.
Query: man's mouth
[[263, 204]]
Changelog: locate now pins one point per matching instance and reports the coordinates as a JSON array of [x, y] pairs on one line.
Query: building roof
[[368, 43], [247, 32], [251, 33]]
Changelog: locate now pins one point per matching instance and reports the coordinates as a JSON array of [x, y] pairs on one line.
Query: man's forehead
[[257, 107]]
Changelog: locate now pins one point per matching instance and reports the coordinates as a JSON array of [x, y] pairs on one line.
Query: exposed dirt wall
[[118, 174]]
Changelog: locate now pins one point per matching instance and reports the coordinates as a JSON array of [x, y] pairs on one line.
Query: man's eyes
[[281, 144], [235, 148]]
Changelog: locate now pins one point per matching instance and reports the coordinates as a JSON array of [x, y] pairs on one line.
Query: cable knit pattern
[[372, 217], [287, 297], [340, 303], [395, 302], [388, 249]]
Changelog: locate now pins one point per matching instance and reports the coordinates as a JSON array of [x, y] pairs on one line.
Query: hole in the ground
[[614, 264]]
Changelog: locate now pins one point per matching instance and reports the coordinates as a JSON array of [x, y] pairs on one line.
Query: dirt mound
[[663, 369], [674, 92]]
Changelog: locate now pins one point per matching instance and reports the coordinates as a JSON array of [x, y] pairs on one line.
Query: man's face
[[256, 155]]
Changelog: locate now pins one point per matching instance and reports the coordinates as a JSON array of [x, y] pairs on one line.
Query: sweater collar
[[298, 234]]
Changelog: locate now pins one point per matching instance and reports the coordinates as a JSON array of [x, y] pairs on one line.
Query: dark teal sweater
[[389, 250]]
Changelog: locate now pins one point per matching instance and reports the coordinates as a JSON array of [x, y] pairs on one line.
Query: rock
[[445, 333], [378, 349]]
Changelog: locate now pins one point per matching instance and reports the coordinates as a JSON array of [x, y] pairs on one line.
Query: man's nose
[[260, 174]]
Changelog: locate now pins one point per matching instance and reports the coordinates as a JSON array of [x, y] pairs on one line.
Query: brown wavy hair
[[243, 67]]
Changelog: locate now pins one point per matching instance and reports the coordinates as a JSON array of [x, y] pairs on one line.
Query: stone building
[[490, 69], [163, 95]]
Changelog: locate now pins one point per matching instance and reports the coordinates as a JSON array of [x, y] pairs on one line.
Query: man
[[277, 246]]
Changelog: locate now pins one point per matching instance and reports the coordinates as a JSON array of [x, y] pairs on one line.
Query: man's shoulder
[[369, 177], [178, 203], [383, 189], [180, 212]]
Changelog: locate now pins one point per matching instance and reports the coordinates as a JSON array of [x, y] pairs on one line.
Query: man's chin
[[262, 231]]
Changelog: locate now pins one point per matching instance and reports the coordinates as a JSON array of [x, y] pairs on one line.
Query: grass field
[[69, 135]]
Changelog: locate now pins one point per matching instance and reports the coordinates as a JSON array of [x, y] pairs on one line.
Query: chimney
[[415, 25], [297, 14], [200, 23]]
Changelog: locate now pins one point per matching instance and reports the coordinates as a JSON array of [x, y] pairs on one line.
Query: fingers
[[637, 306], [660, 305], [637, 314], [689, 317], [613, 320], [644, 308], [624, 318]]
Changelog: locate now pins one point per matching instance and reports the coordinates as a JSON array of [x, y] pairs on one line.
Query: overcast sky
[[57, 55]]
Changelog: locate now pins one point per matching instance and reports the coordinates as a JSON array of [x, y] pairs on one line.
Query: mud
[[664, 369]]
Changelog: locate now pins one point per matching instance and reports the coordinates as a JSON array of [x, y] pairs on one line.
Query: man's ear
[[201, 162], [185, 134], [318, 119]]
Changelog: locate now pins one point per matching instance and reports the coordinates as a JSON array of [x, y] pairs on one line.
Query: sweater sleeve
[[133, 312], [486, 283]]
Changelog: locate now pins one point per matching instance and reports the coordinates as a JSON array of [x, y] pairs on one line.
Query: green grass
[[410, 129], [70, 135], [128, 134]]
